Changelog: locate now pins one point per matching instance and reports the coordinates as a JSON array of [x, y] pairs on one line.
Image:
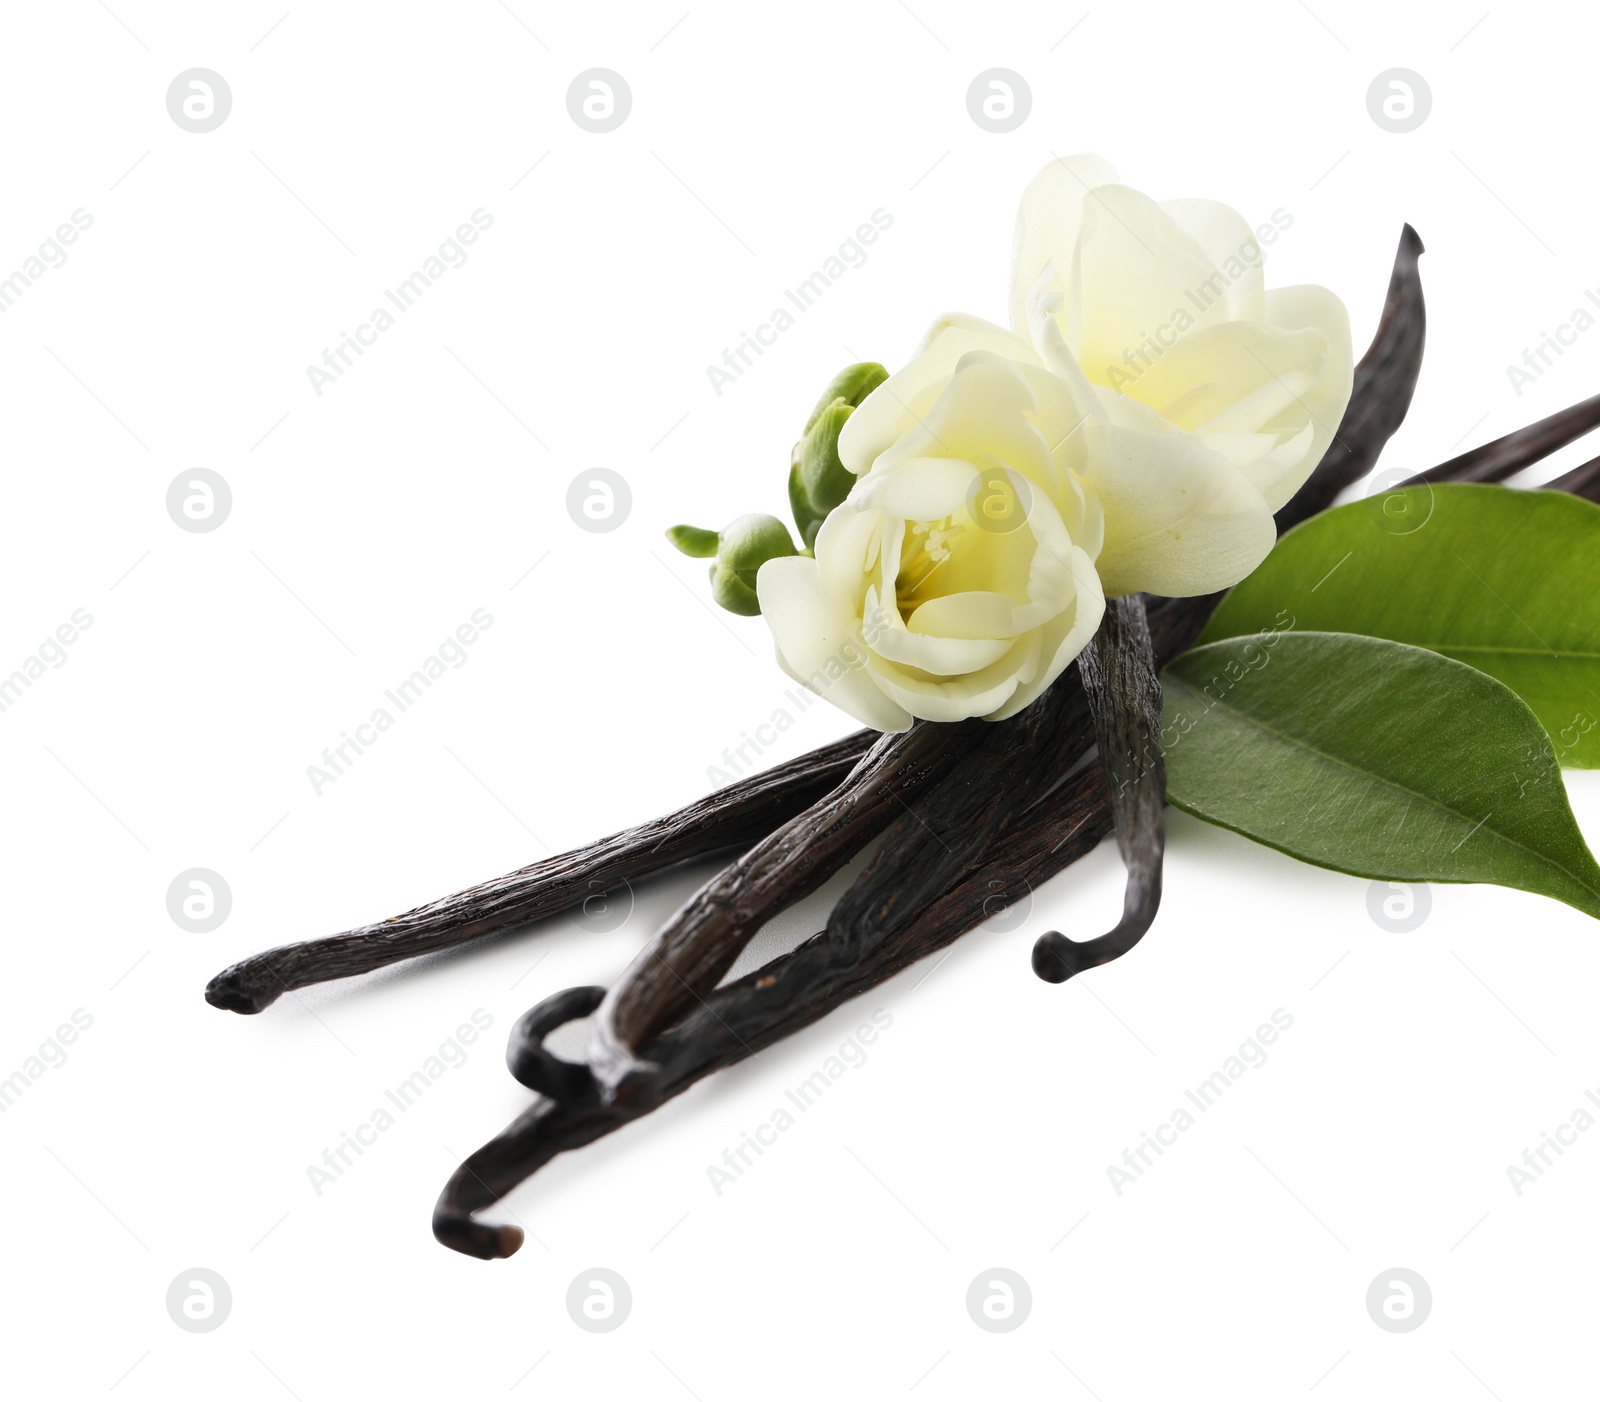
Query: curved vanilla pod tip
[[1385, 380], [1119, 675]]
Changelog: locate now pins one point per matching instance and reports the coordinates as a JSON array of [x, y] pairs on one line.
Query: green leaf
[[1505, 580], [1374, 758]]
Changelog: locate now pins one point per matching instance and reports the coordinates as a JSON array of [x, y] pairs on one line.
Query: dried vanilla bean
[[796, 989], [533, 1064], [753, 1012], [1385, 380], [950, 827], [701, 942], [1505, 457], [1582, 481], [728, 820], [1124, 690]]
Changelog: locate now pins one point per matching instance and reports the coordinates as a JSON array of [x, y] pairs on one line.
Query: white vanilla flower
[[957, 578], [1219, 397]]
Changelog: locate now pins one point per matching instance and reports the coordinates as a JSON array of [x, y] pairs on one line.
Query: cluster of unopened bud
[[818, 482]]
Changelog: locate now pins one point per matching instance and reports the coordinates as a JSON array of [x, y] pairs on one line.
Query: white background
[[430, 480]]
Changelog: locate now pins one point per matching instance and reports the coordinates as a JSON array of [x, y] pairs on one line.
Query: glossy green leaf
[[1505, 580], [1375, 758]]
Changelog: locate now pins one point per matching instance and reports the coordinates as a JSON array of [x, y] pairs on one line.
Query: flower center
[[925, 551]]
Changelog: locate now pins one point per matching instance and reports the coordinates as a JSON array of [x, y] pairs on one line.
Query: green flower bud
[[852, 384], [743, 546], [825, 480], [694, 541], [818, 481], [749, 542], [806, 517], [730, 590]]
